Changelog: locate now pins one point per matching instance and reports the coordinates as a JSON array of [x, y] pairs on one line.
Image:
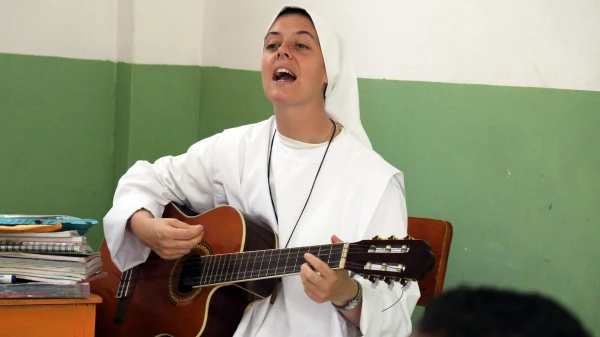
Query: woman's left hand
[[327, 285]]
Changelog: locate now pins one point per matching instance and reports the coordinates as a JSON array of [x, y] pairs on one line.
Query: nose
[[284, 51]]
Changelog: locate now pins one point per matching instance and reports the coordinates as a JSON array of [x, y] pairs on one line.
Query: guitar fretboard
[[235, 267]]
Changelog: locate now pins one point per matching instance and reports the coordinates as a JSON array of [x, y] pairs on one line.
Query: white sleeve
[[388, 312], [185, 179]]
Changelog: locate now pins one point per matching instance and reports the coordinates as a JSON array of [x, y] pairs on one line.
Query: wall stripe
[[514, 43], [510, 43], [64, 28]]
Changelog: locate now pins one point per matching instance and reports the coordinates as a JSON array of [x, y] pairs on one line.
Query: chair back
[[438, 234]]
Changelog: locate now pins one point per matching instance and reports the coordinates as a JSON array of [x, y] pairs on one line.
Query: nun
[[309, 171]]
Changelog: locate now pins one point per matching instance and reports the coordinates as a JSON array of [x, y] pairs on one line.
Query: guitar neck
[[262, 264]]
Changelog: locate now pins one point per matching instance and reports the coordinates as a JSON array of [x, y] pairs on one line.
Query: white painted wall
[[167, 32], [64, 28], [139, 31], [539, 43]]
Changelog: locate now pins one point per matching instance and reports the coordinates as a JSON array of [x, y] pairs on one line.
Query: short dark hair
[[295, 10], [489, 312]]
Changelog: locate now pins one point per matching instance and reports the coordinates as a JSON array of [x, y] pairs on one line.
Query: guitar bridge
[[124, 293]]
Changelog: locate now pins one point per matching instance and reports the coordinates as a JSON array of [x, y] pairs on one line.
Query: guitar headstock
[[391, 259]]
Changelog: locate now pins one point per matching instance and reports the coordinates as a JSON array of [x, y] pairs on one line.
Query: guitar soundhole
[[191, 271], [185, 275]]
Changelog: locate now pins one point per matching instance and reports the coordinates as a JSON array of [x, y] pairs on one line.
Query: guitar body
[[160, 299]]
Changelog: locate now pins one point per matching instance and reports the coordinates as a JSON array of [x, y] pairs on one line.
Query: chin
[[281, 98]]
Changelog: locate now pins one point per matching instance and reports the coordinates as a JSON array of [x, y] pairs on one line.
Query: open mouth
[[283, 75]]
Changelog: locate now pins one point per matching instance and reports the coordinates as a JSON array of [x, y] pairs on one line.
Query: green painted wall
[[56, 122], [71, 128], [157, 112], [514, 169]]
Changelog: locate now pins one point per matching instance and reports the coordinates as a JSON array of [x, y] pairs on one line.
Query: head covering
[[341, 95]]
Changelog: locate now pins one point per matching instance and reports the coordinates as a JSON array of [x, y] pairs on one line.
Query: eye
[[272, 46], [302, 46]]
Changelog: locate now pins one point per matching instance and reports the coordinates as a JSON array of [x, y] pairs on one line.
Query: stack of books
[[46, 256]]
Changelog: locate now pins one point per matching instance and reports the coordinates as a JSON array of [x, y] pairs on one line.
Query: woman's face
[[293, 70]]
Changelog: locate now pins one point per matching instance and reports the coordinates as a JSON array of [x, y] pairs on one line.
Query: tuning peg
[[393, 237], [375, 283], [376, 237], [372, 278], [365, 276]]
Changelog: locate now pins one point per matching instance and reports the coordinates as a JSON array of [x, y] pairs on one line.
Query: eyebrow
[[301, 32]]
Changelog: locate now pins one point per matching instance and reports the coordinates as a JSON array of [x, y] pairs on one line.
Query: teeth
[[282, 70]]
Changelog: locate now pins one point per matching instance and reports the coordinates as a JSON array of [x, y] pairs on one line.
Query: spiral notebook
[[47, 247]]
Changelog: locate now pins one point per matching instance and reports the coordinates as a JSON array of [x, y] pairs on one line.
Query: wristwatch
[[353, 302]]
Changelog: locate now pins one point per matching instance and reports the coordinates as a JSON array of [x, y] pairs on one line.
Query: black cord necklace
[[311, 189]]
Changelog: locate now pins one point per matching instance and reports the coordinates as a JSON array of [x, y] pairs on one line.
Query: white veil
[[341, 96]]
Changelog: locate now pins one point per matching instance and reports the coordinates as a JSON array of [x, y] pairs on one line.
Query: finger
[[178, 223], [181, 244], [175, 223], [335, 239], [319, 265], [173, 254], [311, 295], [180, 233], [306, 282]]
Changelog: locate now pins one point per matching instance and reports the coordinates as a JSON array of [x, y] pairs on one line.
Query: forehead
[[293, 23]]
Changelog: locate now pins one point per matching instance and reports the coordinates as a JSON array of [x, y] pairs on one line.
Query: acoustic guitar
[[206, 292]]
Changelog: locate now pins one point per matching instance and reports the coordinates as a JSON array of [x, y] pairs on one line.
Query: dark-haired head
[[487, 312], [295, 10]]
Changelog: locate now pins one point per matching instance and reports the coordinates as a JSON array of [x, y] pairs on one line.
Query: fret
[[241, 263], [226, 263], [207, 270], [232, 277], [223, 276], [215, 269], [251, 262], [220, 266], [319, 253], [269, 266], [261, 263], [246, 266], [286, 261], [296, 266], [335, 255], [222, 262], [278, 270], [258, 262], [234, 257], [254, 272]]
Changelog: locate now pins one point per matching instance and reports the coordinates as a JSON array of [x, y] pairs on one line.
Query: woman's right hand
[[169, 238]]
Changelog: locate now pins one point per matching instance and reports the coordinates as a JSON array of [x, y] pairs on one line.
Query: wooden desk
[[48, 317]]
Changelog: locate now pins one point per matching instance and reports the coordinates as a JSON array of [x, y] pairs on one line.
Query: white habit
[[357, 195]]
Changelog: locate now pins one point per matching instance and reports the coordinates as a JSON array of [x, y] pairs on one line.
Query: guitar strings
[[149, 283], [233, 265], [337, 248], [233, 261]]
